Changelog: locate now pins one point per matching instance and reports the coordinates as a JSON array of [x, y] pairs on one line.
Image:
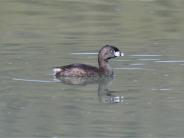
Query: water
[[144, 99]]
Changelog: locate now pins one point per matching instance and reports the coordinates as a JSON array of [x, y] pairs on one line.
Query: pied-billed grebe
[[82, 70]]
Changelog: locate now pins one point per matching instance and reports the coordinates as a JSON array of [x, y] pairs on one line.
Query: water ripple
[[145, 55], [171, 61], [132, 69], [84, 53]]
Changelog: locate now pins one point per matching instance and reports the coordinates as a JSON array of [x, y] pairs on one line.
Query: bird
[[106, 53]]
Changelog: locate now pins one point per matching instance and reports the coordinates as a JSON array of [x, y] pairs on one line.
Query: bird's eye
[[112, 51]]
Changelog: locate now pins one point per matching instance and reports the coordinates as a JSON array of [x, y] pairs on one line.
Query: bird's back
[[77, 70]]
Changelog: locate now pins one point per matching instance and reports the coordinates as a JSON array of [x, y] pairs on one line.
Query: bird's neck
[[104, 67]]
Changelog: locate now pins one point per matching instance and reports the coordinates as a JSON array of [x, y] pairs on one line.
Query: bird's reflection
[[104, 94]]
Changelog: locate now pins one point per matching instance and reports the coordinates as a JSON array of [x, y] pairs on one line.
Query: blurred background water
[[143, 100]]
